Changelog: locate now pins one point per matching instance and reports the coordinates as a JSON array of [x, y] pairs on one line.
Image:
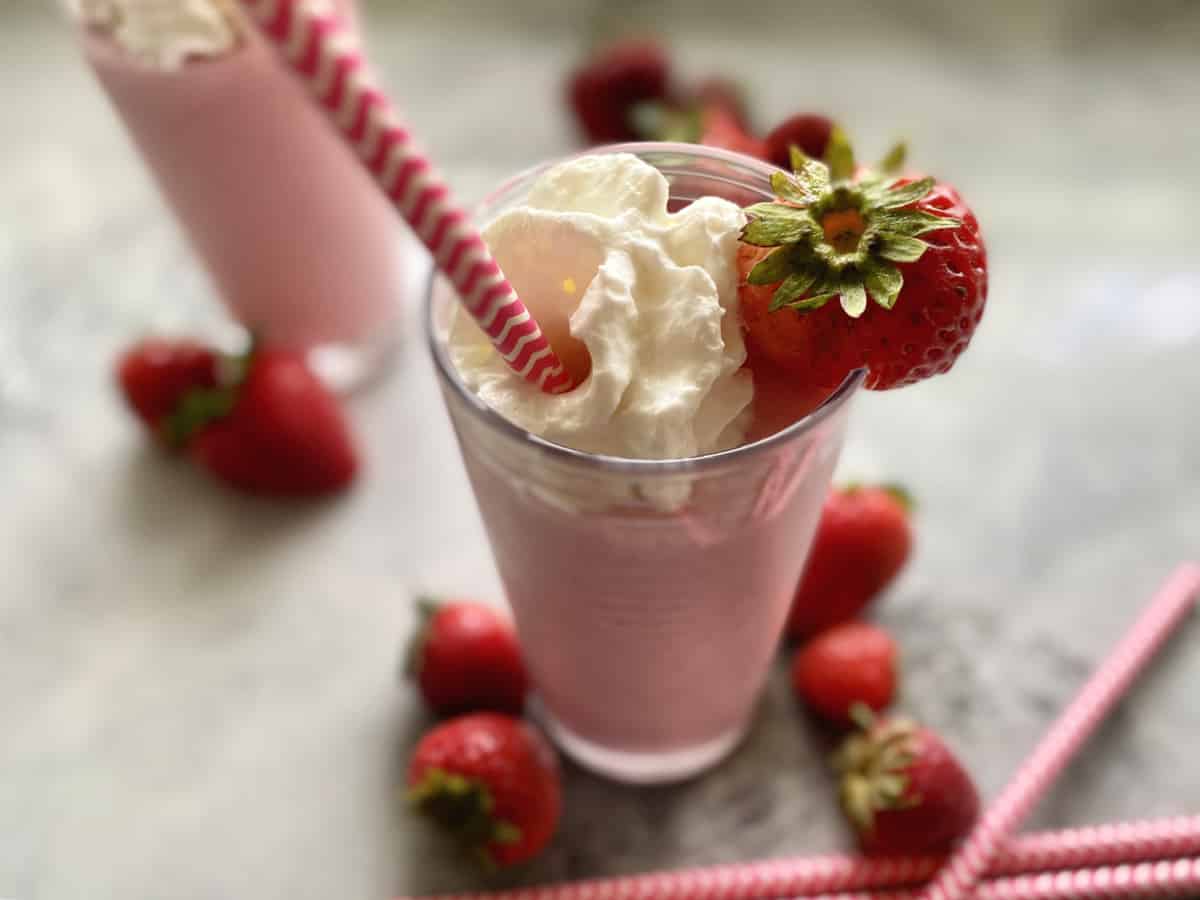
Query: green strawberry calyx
[[465, 808], [838, 231], [873, 764], [898, 492], [200, 407], [414, 653]]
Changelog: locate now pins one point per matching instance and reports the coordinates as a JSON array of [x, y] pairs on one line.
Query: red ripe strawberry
[[847, 665], [903, 789], [720, 128], [492, 781], [156, 373], [465, 657], [605, 90], [279, 431], [863, 540], [904, 259], [808, 131]]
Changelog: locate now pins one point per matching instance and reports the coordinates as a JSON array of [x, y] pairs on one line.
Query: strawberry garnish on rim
[[837, 235], [873, 240]]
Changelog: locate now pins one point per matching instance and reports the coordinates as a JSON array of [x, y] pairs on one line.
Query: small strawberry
[[277, 430], [903, 789], [605, 91], [155, 373], [492, 781], [847, 665], [465, 657], [903, 257], [807, 131], [863, 540]]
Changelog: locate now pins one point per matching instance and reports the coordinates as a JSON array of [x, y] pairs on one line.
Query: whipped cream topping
[[651, 294], [165, 33]]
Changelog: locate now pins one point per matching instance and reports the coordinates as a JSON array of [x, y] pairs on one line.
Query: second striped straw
[[323, 52]]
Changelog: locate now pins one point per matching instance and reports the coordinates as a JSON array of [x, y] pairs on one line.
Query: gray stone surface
[[197, 693]]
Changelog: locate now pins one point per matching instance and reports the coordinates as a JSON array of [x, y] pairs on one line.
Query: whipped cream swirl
[[651, 294], [165, 34]]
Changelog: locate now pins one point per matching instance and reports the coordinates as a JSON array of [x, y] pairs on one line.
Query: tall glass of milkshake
[[300, 244], [648, 526]]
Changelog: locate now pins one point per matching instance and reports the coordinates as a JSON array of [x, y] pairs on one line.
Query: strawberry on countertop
[[862, 542], [850, 664], [465, 657], [490, 780], [859, 268], [607, 89], [903, 789], [262, 422]]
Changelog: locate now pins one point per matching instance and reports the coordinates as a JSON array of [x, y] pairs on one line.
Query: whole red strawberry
[[277, 431], [156, 373], [606, 89], [903, 258], [808, 131], [862, 541], [465, 657], [850, 664], [903, 789], [492, 781]]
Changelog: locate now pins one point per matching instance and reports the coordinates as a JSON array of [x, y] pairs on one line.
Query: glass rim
[[448, 373]]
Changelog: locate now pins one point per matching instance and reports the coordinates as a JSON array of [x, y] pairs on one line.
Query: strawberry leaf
[[790, 189], [884, 283], [912, 222], [792, 287], [840, 156], [813, 176], [773, 269], [895, 197], [197, 409], [899, 248], [798, 158], [894, 160], [808, 304], [773, 224], [854, 297], [901, 495]]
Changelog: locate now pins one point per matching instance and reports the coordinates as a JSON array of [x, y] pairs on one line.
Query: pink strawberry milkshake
[[649, 526], [300, 243]]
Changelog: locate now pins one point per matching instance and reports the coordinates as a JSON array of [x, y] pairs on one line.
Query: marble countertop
[[198, 692]]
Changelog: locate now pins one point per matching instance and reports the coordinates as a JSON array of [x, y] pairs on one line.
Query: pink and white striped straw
[[1101, 845], [1179, 878], [958, 878], [1139, 881], [326, 56]]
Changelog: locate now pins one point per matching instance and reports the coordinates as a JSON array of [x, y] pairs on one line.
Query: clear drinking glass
[[648, 627], [301, 245]]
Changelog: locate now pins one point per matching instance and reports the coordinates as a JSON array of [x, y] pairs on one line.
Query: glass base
[[347, 368], [637, 768]]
